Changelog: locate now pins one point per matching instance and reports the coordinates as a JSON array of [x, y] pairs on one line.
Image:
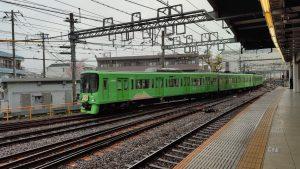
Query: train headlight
[[85, 98]]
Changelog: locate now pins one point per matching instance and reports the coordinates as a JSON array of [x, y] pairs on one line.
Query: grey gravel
[[127, 152]]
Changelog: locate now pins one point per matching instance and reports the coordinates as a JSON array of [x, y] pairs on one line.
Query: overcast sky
[[32, 22]]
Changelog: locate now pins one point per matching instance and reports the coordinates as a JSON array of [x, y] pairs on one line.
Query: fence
[[30, 111]]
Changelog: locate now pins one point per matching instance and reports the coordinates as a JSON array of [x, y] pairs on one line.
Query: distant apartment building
[[185, 62], [63, 70], [6, 65]]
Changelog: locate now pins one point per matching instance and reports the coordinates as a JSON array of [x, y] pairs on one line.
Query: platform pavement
[[242, 142], [283, 149]]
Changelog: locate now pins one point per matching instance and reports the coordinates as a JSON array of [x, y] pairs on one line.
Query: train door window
[[126, 84], [146, 84], [138, 84], [153, 83], [132, 84], [105, 81], [119, 84]]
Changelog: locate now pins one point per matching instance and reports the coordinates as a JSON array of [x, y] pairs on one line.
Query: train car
[[99, 89]]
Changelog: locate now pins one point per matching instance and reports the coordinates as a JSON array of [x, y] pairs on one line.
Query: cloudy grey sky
[[32, 22]]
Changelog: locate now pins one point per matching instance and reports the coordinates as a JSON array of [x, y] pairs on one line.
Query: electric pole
[[44, 36], [11, 15], [72, 39], [13, 41], [162, 59]]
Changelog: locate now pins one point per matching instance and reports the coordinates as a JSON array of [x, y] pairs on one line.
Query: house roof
[[60, 65], [9, 55], [21, 80], [146, 57]]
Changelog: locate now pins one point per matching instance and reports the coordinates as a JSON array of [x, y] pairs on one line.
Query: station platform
[[264, 135]]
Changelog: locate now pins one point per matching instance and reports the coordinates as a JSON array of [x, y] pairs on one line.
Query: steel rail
[[4, 127]]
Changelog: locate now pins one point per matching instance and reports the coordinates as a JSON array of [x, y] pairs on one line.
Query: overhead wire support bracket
[[146, 24], [196, 44]]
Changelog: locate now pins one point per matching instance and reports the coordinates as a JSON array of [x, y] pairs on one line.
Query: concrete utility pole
[[13, 42], [11, 15], [44, 36], [162, 59], [72, 39]]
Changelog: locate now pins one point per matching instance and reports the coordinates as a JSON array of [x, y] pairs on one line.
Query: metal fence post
[[50, 110], [7, 111], [30, 112], [69, 109]]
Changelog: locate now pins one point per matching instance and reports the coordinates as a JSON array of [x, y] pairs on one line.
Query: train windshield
[[89, 83]]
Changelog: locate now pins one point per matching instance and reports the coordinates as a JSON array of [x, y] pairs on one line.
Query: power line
[[79, 8], [111, 7], [52, 10]]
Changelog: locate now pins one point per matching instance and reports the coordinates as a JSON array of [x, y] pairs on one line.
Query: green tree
[[215, 63]]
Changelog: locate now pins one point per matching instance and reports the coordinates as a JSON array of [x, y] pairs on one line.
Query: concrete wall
[[59, 92], [296, 73]]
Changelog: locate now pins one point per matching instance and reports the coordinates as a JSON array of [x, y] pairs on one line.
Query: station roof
[[245, 19], [286, 20]]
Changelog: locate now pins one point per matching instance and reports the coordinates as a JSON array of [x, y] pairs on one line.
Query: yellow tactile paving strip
[[185, 162], [255, 150]]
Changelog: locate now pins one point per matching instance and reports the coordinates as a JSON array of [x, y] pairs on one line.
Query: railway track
[[175, 151], [5, 127], [40, 134], [94, 122], [14, 126], [52, 155]]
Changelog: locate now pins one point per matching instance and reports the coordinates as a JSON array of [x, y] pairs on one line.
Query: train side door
[[105, 89], [125, 88], [160, 86], [122, 89], [186, 84]]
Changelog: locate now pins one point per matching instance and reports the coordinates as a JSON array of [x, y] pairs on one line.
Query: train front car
[[89, 97]]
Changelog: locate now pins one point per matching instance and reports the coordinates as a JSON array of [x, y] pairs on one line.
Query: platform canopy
[[259, 24]]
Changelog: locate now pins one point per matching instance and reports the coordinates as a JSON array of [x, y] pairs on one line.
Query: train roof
[[161, 73]]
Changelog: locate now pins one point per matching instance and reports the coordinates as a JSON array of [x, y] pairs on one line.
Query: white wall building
[[63, 70], [17, 93]]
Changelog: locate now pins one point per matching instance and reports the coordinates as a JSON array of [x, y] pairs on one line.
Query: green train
[[100, 89]]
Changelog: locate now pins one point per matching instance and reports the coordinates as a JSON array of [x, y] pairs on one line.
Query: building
[[18, 93], [63, 70], [186, 62], [6, 65]]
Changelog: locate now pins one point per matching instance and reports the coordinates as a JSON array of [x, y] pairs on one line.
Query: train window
[[173, 82], [138, 84], [197, 82], [89, 83], [119, 85], [126, 85], [105, 81], [142, 84], [146, 84]]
